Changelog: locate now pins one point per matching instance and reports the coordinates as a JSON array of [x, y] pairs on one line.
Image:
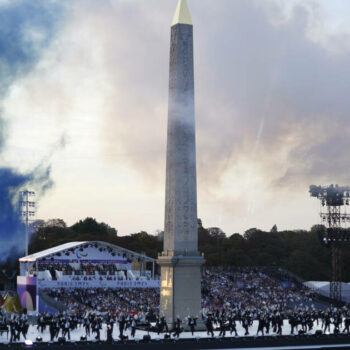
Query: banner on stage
[[43, 284]]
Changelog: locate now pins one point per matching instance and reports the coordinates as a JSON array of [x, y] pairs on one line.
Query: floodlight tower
[[27, 212], [334, 200]]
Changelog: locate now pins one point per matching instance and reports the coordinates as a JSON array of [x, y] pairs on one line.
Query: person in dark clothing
[[133, 327], [293, 323], [66, 328], [222, 323], [109, 332], [86, 324], [159, 325], [121, 325], [177, 328], [261, 326], [346, 323], [327, 323], [52, 329], [97, 328], [24, 326], [279, 324], [267, 322], [245, 322], [17, 330], [164, 323], [13, 332], [232, 325], [192, 322], [209, 325]]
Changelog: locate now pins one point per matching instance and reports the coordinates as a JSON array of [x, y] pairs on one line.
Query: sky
[[84, 89]]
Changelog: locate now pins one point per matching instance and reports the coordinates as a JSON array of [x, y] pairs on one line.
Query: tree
[[252, 232], [274, 229], [91, 226], [55, 223]]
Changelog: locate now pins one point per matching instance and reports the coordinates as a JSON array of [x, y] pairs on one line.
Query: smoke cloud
[[26, 29]]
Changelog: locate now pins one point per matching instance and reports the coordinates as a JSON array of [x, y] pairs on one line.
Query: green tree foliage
[[91, 226], [274, 229], [54, 232], [298, 251]]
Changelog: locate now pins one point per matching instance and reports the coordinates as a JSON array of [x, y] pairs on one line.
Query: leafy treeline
[[55, 232], [297, 251]]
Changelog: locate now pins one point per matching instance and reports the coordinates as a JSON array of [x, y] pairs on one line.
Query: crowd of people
[[242, 289], [218, 324], [235, 302], [86, 269], [247, 288], [131, 301], [272, 321]]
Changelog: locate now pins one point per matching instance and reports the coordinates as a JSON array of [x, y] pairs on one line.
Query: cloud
[[271, 105]]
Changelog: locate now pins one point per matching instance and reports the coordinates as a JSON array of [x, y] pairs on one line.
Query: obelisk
[[180, 262]]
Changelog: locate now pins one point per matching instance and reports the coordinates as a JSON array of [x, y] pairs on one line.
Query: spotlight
[[28, 342]]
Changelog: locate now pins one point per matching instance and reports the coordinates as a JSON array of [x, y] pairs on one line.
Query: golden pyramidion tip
[[182, 14]]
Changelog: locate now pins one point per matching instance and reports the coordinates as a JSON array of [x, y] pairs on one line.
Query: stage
[[262, 343]]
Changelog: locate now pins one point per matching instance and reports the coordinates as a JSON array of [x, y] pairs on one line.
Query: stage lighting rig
[[334, 201]]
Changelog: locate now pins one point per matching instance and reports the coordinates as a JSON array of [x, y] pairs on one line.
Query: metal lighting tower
[[334, 200], [27, 212]]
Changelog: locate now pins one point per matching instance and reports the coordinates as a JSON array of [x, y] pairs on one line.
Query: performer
[[164, 323], [246, 325], [133, 327], [232, 324], [66, 329], [177, 328], [109, 332], [209, 325], [159, 325], [121, 325], [86, 324], [261, 325], [192, 322], [222, 323]]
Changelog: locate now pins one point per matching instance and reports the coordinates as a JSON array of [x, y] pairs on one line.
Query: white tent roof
[[51, 251]]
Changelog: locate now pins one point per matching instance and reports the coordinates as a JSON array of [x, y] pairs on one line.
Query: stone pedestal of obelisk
[[180, 291]]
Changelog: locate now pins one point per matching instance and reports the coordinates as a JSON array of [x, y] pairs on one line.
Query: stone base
[[180, 288]]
